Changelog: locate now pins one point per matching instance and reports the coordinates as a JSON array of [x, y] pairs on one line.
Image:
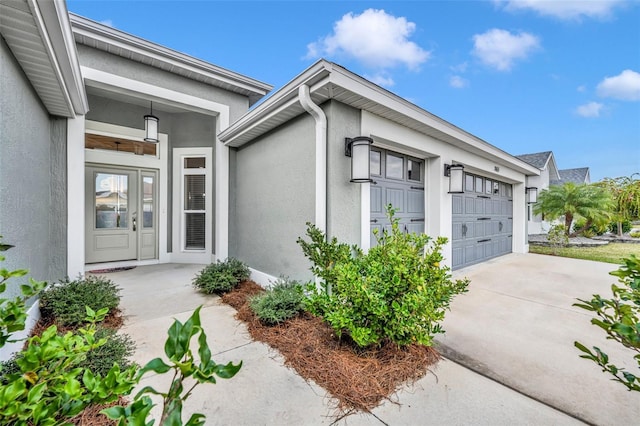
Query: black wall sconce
[[455, 173], [533, 194], [359, 149]]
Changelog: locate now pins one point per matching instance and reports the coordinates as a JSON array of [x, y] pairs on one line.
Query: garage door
[[397, 180], [482, 221]]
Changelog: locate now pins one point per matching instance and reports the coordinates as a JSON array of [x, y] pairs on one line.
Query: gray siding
[[274, 197], [32, 177], [107, 62], [343, 204]]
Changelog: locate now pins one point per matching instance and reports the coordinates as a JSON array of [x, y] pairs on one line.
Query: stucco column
[[520, 238], [75, 196]]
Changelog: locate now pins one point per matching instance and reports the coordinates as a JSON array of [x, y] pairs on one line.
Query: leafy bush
[[619, 317], [118, 348], [626, 227], [221, 277], [557, 237], [635, 234], [51, 386], [284, 300], [579, 226], [13, 314], [67, 300], [397, 291], [183, 365]]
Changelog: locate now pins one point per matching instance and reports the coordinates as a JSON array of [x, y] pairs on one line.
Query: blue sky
[[526, 76]]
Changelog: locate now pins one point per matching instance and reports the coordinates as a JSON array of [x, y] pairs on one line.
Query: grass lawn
[[610, 253]]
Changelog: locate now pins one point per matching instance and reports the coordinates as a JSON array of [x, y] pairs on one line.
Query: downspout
[[321, 155]]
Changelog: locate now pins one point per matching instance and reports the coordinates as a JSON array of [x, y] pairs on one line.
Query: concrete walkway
[[265, 392], [517, 325]]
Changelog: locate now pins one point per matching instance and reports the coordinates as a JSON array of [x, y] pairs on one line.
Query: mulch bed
[[113, 320], [358, 379]]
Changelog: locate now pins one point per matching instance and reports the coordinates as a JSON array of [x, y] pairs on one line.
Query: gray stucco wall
[[343, 197], [188, 129], [32, 177], [107, 62], [274, 197]]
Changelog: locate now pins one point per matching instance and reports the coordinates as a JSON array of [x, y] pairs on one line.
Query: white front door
[[120, 214]]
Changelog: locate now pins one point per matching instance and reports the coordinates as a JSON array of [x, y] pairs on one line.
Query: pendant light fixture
[[151, 127]]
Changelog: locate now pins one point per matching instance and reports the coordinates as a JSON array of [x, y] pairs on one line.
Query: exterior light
[[358, 149], [455, 173], [151, 127], [533, 194]]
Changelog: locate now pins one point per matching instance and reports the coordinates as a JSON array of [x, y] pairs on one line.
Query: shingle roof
[[538, 159], [578, 175]]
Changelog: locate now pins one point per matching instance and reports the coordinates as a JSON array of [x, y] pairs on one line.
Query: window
[[468, 183], [479, 181], [147, 201], [488, 186], [376, 167], [194, 203], [413, 170], [395, 167], [111, 200]]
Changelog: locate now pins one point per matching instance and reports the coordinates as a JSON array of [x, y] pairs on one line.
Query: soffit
[[101, 37], [24, 35]]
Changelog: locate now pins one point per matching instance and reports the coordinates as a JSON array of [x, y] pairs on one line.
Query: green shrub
[[397, 291], [221, 277], [557, 237], [635, 234], [619, 317], [283, 301], [118, 348], [67, 300], [590, 231], [626, 227]]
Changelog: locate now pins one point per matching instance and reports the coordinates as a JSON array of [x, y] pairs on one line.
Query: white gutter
[[321, 155]]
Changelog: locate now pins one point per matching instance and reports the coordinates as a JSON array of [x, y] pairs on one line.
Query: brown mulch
[[113, 320], [358, 379], [91, 415]]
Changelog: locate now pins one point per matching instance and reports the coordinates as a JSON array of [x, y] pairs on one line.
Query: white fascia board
[[366, 89], [56, 19], [552, 159], [279, 101], [127, 42]]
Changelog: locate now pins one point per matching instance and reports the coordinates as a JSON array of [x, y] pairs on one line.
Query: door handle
[[464, 230], [133, 220], [500, 226]]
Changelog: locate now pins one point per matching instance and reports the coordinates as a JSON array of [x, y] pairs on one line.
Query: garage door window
[[395, 167], [376, 167]]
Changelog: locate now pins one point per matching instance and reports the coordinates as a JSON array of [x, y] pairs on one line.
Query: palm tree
[[625, 192], [572, 201]]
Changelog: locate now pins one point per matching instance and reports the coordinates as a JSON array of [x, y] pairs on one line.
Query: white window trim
[[179, 253]]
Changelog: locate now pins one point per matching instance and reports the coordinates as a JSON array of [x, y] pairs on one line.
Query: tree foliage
[[619, 317], [625, 192], [571, 201]]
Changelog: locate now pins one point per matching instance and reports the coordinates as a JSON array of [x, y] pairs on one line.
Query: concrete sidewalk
[[517, 325], [265, 392]]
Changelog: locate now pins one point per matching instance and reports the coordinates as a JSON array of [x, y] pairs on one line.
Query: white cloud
[[625, 86], [500, 48], [460, 68], [107, 22], [566, 9], [374, 38], [590, 110], [581, 89], [381, 79], [458, 82]]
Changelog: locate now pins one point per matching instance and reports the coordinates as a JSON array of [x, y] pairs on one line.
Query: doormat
[[106, 271]]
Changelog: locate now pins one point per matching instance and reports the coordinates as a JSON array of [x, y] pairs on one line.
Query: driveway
[[265, 392], [517, 325]]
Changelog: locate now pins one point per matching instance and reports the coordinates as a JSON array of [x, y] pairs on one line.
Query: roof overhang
[[111, 40], [327, 80], [38, 32]]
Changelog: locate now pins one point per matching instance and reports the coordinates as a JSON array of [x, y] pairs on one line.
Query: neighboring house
[[546, 162], [82, 190], [549, 175], [577, 176]]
